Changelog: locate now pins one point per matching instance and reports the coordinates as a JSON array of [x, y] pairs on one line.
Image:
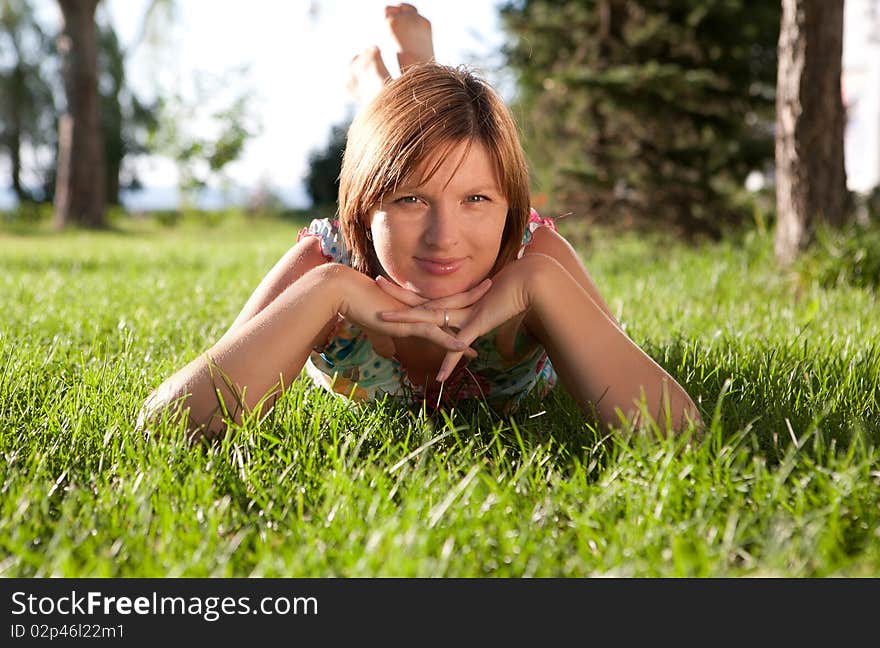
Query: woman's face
[[442, 237]]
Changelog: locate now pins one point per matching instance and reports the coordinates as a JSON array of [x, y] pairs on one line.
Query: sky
[[296, 53], [861, 93]]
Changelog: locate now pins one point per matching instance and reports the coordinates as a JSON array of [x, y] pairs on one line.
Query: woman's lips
[[439, 266]]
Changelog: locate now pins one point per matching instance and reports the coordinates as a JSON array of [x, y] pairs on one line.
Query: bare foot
[[367, 75], [412, 33]]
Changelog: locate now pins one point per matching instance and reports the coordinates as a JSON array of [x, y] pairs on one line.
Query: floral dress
[[348, 365]]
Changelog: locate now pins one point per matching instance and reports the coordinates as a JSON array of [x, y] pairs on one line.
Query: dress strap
[[332, 243], [535, 221]]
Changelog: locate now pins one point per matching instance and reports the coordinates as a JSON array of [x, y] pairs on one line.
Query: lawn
[[784, 365]]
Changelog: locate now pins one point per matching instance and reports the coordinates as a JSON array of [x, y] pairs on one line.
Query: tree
[[28, 115], [27, 107], [810, 122], [322, 179], [204, 129], [653, 111], [222, 111], [80, 186], [126, 120]]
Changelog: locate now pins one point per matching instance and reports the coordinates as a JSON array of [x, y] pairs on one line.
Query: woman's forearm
[[257, 359], [301, 258], [596, 361]]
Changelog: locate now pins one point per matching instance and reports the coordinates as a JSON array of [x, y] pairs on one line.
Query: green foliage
[[235, 133], [28, 214], [126, 119], [27, 105], [168, 217], [322, 179], [841, 257], [203, 155], [652, 111], [785, 484]]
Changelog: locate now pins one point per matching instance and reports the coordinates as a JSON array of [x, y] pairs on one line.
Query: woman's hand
[[505, 297], [460, 300], [363, 299]]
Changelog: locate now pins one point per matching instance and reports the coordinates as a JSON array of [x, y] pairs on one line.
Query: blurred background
[[276, 70], [659, 112]]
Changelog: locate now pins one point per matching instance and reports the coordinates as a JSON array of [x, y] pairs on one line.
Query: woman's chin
[[440, 288]]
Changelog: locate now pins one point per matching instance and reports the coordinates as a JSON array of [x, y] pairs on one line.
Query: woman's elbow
[[168, 405], [165, 403]]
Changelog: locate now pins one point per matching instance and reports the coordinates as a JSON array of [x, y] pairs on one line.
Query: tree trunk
[[810, 172], [80, 186], [15, 129], [15, 151]]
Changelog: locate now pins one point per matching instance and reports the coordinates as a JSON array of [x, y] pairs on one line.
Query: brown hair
[[430, 108]]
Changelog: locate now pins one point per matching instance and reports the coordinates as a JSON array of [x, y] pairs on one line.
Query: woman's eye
[[408, 200], [478, 198]]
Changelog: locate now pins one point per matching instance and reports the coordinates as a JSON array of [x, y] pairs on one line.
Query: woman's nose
[[442, 231]]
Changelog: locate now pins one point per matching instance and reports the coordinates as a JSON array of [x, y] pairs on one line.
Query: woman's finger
[[383, 345], [451, 359], [461, 300], [442, 317], [399, 293], [471, 328], [470, 332], [425, 330]]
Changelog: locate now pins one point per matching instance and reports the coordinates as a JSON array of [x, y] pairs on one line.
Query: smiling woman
[[437, 282], [442, 236], [436, 138]]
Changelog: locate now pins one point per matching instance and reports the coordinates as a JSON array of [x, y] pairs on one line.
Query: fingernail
[[440, 377], [459, 344]]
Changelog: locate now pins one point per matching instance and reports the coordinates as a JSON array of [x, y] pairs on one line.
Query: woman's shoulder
[[332, 242]]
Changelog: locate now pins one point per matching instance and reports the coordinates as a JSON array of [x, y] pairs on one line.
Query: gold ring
[[445, 318]]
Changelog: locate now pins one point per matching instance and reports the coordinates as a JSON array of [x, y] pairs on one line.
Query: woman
[[437, 281]]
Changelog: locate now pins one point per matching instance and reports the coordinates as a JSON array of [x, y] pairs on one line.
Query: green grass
[[784, 367]]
